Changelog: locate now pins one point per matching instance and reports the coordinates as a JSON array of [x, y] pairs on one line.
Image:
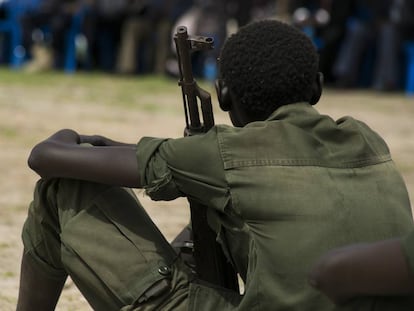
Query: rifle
[[211, 265]]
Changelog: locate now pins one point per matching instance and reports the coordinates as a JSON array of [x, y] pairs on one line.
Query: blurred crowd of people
[[362, 43]]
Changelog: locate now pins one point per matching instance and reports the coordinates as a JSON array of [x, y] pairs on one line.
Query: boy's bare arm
[[377, 269], [63, 155]]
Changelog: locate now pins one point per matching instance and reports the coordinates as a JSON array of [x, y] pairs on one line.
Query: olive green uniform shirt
[[280, 193]]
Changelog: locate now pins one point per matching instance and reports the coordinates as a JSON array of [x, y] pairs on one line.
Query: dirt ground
[[29, 114]]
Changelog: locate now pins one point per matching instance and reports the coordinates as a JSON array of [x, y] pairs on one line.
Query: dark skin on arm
[[377, 269], [104, 161]]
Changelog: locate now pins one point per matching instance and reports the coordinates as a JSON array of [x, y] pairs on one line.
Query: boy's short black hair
[[268, 64]]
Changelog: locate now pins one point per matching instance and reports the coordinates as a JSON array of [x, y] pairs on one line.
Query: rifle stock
[[211, 264]]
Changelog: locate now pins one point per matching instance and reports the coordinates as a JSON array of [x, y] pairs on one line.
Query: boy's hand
[[98, 140], [95, 140], [105, 161], [65, 136]]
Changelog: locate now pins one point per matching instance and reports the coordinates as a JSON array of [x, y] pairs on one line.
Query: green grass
[[108, 89], [54, 78], [4, 245], [8, 132], [132, 92], [9, 274]]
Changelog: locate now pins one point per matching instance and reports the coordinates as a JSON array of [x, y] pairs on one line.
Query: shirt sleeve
[[188, 166]]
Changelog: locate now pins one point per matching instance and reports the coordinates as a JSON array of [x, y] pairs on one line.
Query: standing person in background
[[326, 21], [209, 19], [102, 28], [146, 35], [357, 58], [212, 22], [393, 34], [402, 15], [165, 16], [52, 17], [136, 31]]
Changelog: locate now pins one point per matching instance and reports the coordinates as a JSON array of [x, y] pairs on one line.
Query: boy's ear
[[317, 89], [223, 94]]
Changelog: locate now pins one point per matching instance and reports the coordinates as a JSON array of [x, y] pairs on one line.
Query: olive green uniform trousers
[[104, 239]]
